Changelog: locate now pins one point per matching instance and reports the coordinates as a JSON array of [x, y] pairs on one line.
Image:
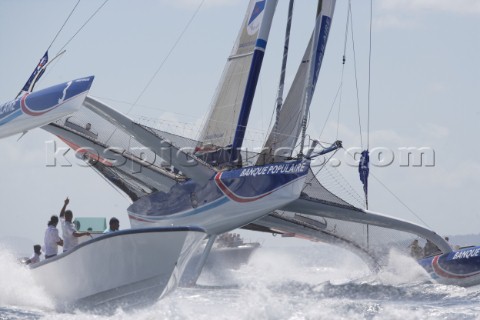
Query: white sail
[[219, 128], [280, 144]]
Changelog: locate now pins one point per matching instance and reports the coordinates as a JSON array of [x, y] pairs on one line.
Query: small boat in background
[[229, 251]]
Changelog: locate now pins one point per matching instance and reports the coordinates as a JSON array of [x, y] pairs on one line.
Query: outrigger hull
[[461, 268], [41, 107], [126, 268], [230, 199]]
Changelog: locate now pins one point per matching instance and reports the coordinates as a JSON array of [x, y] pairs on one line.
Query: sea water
[[306, 282]]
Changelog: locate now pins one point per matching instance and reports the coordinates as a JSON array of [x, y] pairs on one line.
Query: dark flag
[[363, 170], [38, 69]]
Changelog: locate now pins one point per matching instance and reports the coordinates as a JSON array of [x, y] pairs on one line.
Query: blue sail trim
[[260, 44], [326, 22], [247, 100]]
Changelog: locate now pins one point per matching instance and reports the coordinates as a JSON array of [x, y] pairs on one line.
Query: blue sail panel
[[221, 123], [252, 80], [326, 22], [247, 102]]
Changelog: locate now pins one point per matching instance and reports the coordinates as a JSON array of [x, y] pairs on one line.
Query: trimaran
[[184, 190]]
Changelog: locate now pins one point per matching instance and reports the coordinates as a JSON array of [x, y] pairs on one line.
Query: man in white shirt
[[52, 239], [70, 233], [62, 215], [37, 252]]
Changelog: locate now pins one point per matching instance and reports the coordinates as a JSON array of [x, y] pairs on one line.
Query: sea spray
[[286, 283], [402, 269], [17, 286]]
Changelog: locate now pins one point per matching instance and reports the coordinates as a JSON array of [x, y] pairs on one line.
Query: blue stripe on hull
[[189, 198], [43, 100], [11, 116], [40, 102], [454, 265]]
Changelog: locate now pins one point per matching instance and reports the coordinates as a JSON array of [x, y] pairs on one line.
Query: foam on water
[[402, 269], [293, 283], [17, 286]]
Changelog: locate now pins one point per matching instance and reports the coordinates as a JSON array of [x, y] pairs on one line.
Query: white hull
[[26, 122], [125, 268]]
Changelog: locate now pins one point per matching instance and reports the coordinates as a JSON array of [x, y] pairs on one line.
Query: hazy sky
[[425, 91]]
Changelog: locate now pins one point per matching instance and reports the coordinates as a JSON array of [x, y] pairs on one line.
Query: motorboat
[[126, 268]]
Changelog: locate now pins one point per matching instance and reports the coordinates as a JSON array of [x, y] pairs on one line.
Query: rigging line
[[321, 167], [399, 200], [331, 107], [356, 77], [161, 65], [64, 23], [344, 59], [369, 75], [167, 56], [265, 138], [393, 194], [338, 112], [352, 193], [345, 186], [145, 106], [86, 22], [55, 62], [340, 86]]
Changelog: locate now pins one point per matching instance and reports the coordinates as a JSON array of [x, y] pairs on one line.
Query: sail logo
[[274, 169], [256, 17]]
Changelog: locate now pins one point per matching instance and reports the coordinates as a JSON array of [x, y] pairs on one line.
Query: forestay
[[281, 142]]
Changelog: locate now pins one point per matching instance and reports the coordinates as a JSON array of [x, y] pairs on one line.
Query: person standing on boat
[[70, 232], [430, 249], [62, 215], [37, 252], [415, 250], [52, 239], [114, 225]]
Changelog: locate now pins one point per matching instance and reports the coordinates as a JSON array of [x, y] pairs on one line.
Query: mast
[[282, 74], [252, 79], [289, 127]]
